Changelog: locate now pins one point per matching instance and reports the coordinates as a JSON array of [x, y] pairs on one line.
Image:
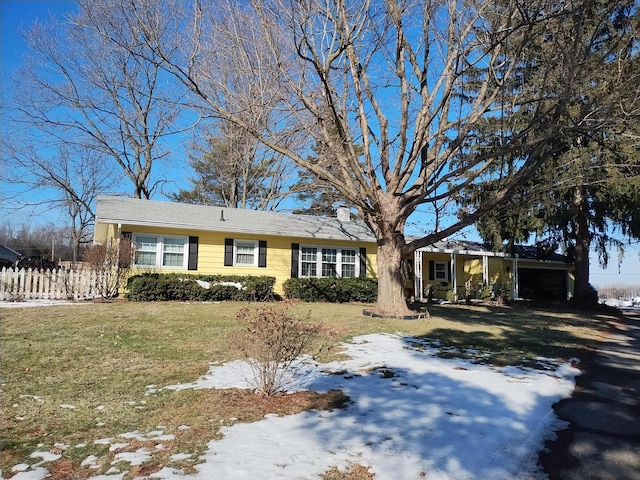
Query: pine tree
[[591, 187]]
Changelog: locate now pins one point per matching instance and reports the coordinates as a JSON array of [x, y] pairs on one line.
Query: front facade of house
[[458, 270], [173, 237]]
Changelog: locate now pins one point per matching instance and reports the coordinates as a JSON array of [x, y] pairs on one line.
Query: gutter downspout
[[118, 252], [417, 275], [514, 275]]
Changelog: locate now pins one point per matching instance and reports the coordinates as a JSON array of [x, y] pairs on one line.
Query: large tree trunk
[[391, 301], [582, 292]]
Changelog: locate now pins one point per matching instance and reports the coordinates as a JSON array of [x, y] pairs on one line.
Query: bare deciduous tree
[[395, 91], [74, 176], [110, 262], [88, 84], [243, 172]]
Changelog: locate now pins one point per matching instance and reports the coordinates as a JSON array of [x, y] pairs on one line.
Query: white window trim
[[445, 270], [256, 252], [338, 259], [160, 251]]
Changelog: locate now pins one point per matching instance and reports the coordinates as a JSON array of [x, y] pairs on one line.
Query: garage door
[[539, 283]]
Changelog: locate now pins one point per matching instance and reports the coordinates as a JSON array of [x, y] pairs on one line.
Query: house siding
[[473, 271], [498, 271], [211, 252]]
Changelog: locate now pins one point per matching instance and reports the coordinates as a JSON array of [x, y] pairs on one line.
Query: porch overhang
[[453, 252]]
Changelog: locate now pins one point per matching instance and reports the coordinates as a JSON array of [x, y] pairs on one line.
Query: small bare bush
[[111, 262], [271, 339]]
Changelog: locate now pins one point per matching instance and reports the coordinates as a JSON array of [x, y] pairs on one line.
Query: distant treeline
[[619, 291]]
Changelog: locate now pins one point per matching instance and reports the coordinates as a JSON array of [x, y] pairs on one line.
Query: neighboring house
[[457, 269], [9, 255], [175, 237]]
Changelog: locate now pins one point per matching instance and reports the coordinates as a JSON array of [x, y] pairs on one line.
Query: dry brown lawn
[[73, 374]]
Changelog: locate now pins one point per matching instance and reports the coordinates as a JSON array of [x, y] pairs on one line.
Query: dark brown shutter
[[295, 257], [193, 253], [432, 270], [262, 253], [126, 238], [228, 252], [363, 262]]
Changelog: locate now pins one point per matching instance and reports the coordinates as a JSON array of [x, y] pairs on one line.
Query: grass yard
[[74, 374]]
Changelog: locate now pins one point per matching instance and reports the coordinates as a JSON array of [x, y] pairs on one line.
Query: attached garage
[[542, 284], [451, 269]]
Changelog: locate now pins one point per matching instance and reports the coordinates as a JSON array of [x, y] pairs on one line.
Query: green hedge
[[331, 289], [149, 287]]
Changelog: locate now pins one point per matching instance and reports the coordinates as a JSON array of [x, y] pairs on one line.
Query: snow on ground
[[412, 415], [36, 303]]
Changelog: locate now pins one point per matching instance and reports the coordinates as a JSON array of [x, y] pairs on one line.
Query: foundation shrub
[[147, 287], [255, 288], [331, 289]]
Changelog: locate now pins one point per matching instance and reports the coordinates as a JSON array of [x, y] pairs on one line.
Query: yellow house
[[455, 270], [175, 237], [198, 239]]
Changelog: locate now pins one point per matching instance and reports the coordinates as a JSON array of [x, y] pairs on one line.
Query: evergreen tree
[[320, 197], [233, 169], [591, 186]]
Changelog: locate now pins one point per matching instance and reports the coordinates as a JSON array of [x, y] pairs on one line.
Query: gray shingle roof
[[151, 213], [468, 247], [9, 253]]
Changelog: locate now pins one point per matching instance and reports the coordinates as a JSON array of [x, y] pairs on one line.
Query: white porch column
[[454, 280], [417, 275], [485, 270]]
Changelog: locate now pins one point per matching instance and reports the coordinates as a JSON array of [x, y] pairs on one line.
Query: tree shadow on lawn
[[542, 314], [514, 335], [463, 420]]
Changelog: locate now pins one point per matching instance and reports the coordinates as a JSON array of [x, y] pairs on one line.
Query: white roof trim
[[486, 253], [457, 251]]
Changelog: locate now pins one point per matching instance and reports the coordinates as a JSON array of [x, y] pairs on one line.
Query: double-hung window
[[173, 252], [441, 271], [309, 258], [328, 262], [156, 251], [146, 251], [245, 253], [349, 263]]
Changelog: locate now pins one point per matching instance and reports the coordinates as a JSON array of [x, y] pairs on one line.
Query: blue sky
[[17, 13], [13, 14]]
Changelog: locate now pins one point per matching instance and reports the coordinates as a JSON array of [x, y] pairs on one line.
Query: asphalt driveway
[[602, 441]]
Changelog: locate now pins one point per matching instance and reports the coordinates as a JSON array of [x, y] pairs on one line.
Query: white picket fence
[[48, 284]]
